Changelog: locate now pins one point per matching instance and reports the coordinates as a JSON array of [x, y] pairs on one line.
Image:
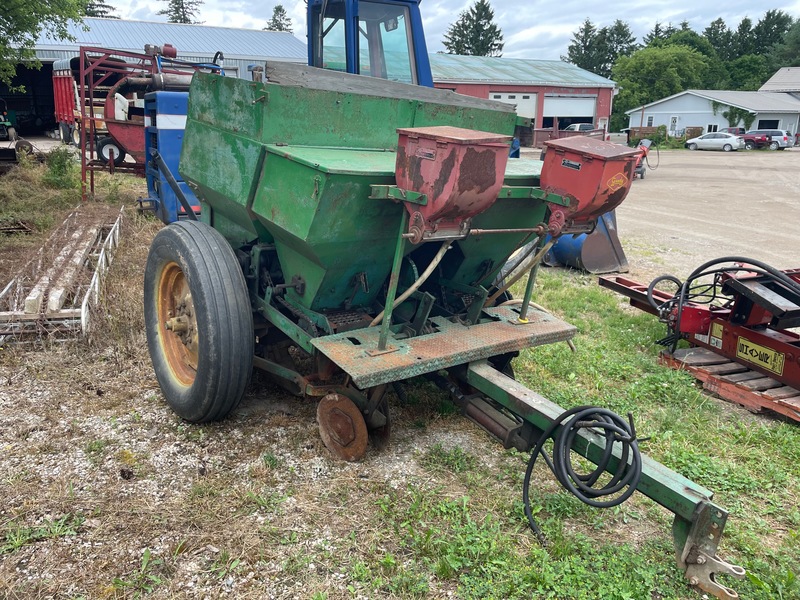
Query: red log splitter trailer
[[738, 315]]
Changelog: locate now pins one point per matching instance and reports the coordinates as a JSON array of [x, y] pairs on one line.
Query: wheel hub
[[176, 314], [342, 427]]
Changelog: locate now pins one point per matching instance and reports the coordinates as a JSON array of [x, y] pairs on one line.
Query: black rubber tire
[[64, 132], [104, 148], [749, 146], [692, 146], [641, 173], [12, 134], [774, 145], [224, 321], [727, 148], [23, 147]]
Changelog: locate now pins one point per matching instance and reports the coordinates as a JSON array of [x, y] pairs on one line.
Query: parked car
[[579, 127], [779, 139], [718, 140], [755, 140]]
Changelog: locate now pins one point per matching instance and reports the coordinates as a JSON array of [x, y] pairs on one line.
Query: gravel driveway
[[697, 206]]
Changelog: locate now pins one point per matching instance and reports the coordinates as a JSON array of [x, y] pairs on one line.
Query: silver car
[[716, 141]]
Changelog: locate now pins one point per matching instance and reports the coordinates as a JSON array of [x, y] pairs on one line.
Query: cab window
[[384, 40]]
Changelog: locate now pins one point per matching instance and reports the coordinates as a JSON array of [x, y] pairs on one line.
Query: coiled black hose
[[615, 429], [707, 293]]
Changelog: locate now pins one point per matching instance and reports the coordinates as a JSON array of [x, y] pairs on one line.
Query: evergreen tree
[[743, 42], [98, 8], [280, 21], [475, 33], [597, 50], [182, 11], [618, 40], [585, 49], [771, 30], [658, 34], [721, 38], [787, 53]]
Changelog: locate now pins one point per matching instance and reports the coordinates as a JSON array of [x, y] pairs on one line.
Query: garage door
[[525, 102], [566, 106]]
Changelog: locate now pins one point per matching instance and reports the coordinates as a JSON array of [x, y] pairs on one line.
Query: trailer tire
[[198, 320], [64, 132], [75, 133], [104, 148]]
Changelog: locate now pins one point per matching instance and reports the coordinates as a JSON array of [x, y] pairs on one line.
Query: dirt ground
[[697, 206]]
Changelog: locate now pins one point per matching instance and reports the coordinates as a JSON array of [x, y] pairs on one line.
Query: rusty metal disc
[[342, 427]]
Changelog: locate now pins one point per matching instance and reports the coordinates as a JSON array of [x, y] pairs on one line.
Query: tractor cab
[[377, 38]]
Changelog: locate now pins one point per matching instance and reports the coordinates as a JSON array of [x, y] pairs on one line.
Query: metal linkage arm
[[698, 524]]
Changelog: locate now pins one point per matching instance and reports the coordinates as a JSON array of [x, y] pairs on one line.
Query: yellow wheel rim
[[177, 324]]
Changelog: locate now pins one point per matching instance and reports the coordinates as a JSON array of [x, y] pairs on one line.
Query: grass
[[18, 535], [750, 463]]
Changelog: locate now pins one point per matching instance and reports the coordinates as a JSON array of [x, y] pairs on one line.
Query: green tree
[[749, 72], [721, 38], [585, 49], [787, 53], [475, 33], [615, 41], [743, 41], [597, 50], [280, 21], [21, 23], [658, 34], [771, 29], [182, 11], [100, 9], [716, 75], [653, 73]]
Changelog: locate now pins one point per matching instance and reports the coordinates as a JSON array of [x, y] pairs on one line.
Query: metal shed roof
[[188, 39], [786, 79], [489, 69], [757, 102]]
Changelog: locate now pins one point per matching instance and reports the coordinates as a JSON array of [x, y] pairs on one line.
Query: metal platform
[[356, 352], [734, 382]]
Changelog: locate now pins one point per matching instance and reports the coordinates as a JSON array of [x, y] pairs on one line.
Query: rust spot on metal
[[452, 344], [444, 174], [478, 172]]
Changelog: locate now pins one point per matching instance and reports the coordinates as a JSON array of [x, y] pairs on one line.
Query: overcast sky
[[540, 30]]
